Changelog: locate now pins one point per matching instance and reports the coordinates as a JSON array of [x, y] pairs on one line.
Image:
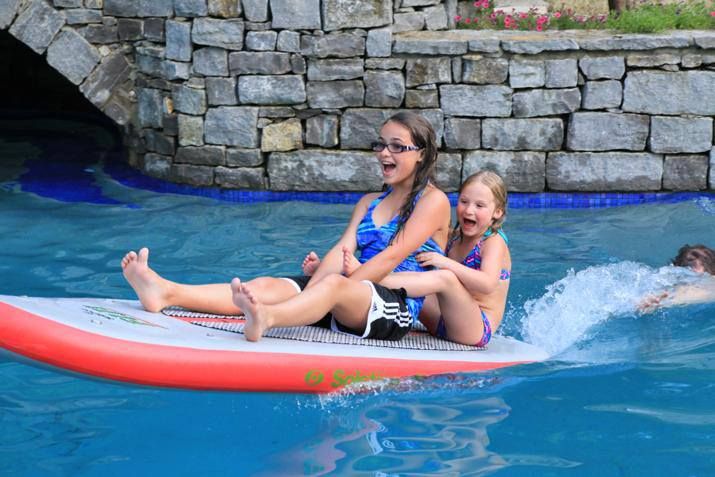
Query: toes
[[247, 293], [143, 255], [129, 257], [236, 285]]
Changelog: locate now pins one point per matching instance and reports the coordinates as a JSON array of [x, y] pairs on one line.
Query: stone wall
[[288, 94]]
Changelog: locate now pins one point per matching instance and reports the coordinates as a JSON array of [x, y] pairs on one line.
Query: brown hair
[[424, 137], [689, 255]]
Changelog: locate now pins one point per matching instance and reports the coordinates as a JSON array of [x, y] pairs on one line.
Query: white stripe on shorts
[[390, 311], [295, 285]]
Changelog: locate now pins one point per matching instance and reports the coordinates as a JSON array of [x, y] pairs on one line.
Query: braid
[[422, 179]]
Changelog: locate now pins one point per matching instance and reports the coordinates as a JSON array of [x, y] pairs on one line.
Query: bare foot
[[350, 263], [152, 290], [311, 262], [257, 319]]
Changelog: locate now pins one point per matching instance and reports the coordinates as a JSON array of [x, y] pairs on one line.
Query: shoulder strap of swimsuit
[[490, 232], [379, 198]]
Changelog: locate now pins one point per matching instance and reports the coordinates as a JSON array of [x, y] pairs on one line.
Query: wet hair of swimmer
[[692, 255]]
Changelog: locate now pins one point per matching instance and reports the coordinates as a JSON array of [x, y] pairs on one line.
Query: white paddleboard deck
[[119, 340]]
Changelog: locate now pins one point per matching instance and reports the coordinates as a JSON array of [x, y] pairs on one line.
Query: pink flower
[[458, 18], [467, 20], [539, 28], [712, 14], [557, 15], [523, 15]]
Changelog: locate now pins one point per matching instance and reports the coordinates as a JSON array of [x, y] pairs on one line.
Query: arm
[[428, 216], [482, 281], [332, 262], [691, 294], [680, 295]]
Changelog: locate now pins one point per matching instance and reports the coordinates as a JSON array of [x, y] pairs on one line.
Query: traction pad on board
[[418, 338]]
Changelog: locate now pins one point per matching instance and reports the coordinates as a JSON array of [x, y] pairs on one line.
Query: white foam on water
[[706, 204], [563, 316]]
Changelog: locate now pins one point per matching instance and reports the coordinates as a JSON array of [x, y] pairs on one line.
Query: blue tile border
[[130, 177], [593, 200]]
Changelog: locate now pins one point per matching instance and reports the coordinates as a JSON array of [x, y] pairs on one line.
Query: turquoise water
[[624, 395]]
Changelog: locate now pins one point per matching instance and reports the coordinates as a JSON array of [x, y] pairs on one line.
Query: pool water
[[625, 394]]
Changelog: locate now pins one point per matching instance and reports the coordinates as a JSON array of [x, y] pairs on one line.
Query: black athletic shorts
[[388, 318]]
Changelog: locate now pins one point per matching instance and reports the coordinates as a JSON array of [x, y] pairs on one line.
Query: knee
[[447, 278], [261, 283], [333, 281]]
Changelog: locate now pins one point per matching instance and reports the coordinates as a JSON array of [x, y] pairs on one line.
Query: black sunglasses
[[394, 148]]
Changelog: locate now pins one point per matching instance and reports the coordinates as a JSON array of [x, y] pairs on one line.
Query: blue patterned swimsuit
[[474, 260], [372, 240]]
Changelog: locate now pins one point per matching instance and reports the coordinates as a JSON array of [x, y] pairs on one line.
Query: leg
[[460, 312], [418, 284], [348, 300], [430, 314], [156, 292]]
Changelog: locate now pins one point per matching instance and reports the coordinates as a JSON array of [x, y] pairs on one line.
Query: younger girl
[[471, 283], [466, 295]]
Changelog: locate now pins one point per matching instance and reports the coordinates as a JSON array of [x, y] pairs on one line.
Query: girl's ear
[[498, 214]]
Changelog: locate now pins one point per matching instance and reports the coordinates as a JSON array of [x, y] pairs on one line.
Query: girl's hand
[[432, 259], [350, 263]]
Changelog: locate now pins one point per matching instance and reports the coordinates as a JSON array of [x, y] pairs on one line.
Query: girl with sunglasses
[[386, 231]]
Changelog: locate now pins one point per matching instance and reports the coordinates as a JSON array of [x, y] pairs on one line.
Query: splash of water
[[571, 306], [706, 204]]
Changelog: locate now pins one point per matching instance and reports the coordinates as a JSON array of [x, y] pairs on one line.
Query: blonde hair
[[496, 185]]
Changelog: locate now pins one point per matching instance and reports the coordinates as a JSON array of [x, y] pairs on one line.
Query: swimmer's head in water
[[699, 258]]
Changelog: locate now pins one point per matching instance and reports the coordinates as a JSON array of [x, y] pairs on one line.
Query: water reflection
[[418, 433]]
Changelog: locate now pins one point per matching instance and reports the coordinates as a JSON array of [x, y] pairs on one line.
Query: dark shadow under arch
[[30, 84], [51, 136]]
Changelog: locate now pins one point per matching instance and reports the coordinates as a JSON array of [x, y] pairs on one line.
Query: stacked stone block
[[288, 94]]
